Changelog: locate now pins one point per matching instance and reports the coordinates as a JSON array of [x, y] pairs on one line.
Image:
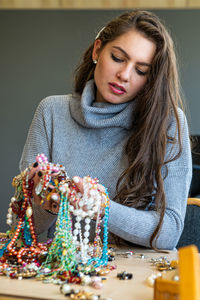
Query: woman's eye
[[116, 58], [141, 73]]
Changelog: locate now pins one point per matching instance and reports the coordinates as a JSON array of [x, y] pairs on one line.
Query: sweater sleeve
[[39, 141], [137, 226]]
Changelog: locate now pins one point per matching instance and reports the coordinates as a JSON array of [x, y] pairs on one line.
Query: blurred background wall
[[39, 50]]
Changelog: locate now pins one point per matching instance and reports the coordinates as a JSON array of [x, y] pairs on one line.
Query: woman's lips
[[117, 89]]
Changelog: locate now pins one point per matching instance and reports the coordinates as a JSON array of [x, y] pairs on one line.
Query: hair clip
[[98, 34]]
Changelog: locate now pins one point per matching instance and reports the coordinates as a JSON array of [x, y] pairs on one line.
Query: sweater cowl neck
[[91, 114]]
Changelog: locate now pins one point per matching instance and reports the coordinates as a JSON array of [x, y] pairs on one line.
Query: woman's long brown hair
[[143, 180]]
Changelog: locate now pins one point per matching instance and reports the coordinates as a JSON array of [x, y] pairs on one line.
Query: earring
[[95, 61]]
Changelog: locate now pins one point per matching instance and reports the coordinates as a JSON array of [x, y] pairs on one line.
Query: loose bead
[[97, 285], [65, 289]]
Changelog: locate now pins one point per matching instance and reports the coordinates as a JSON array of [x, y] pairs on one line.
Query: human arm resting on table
[[137, 226]]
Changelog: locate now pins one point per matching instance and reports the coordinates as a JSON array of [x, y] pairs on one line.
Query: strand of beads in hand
[[88, 200]]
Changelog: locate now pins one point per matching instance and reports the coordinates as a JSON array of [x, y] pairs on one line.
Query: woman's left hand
[[78, 182]]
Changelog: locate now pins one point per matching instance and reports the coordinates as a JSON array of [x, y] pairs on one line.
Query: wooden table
[[113, 288]]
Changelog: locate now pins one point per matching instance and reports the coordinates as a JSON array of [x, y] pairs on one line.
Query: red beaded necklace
[[28, 253]]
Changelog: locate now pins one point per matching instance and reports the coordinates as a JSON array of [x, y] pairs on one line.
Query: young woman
[[124, 126]]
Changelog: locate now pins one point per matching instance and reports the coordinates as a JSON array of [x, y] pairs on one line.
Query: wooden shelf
[[98, 4]]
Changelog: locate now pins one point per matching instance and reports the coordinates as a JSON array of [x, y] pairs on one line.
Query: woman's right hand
[[52, 204]]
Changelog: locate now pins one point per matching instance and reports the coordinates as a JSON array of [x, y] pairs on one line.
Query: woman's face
[[122, 67]]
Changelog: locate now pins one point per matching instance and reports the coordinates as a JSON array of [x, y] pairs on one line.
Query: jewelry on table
[[71, 256], [151, 279], [126, 254], [125, 275], [162, 264], [77, 294]]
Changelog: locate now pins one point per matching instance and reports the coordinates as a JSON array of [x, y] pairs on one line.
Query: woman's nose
[[124, 73]]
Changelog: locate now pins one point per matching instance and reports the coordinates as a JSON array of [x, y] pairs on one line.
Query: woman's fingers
[[54, 206], [34, 169], [37, 198], [53, 201], [36, 178], [79, 183]]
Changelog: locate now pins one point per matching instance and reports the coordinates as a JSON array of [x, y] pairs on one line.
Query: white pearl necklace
[[87, 205]]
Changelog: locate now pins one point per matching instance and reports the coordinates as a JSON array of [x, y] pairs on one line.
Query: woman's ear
[[96, 49]]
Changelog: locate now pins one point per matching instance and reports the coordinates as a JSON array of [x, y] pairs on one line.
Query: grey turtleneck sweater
[[89, 138]]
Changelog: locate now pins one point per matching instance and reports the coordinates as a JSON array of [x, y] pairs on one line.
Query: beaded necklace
[[25, 253], [71, 250], [61, 254], [23, 247]]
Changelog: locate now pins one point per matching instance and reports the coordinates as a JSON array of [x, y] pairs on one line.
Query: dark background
[[39, 51]]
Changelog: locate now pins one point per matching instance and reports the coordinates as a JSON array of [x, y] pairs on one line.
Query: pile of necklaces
[[71, 257]]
